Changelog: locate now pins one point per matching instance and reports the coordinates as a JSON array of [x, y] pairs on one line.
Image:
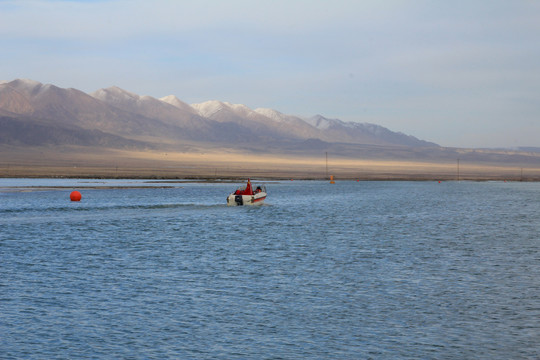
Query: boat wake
[[83, 208]]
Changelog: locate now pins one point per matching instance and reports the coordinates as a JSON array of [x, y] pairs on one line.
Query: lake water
[[355, 270]]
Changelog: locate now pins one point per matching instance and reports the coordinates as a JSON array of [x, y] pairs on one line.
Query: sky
[[457, 73]]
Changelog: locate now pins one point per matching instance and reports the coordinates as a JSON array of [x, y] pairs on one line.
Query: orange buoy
[[75, 196]]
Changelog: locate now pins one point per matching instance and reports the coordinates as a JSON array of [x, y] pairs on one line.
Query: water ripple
[[406, 270]]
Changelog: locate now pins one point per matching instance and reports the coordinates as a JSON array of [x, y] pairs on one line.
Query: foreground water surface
[[355, 270]]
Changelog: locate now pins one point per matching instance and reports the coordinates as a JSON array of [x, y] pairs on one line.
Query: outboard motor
[[238, 200]]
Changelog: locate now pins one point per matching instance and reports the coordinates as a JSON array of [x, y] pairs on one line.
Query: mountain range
[[44, 120], [36, 114]]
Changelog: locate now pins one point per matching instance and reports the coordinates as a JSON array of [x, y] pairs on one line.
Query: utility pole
[[458, 169], [327, 164]]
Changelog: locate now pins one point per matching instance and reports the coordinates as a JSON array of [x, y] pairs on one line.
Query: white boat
[[245, 195]]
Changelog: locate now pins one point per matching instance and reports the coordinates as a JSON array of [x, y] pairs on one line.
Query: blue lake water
[[355, 270]]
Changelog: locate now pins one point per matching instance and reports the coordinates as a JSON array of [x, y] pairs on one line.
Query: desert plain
[[215, 164]]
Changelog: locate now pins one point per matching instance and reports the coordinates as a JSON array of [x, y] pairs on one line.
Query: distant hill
[[35, 114]]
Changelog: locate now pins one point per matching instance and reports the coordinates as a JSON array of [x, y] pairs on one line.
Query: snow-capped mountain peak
[[239, 108], [176, 102], [114, 92], [320, 122], [271, 114], [209, 108], [212, 107]]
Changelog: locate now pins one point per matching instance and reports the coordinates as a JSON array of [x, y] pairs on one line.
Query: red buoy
[[75, 196]]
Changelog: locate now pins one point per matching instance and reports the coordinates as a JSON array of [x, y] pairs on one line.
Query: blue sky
[[459, 73]]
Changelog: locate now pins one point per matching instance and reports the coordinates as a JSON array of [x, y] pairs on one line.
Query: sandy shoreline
[[228, 166], [377, 172]]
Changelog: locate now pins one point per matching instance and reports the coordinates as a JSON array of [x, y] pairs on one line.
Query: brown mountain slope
[[60, 107], [24, 131], [170, 121]]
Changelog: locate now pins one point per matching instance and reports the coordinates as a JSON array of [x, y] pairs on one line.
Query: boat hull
[[239, 200]]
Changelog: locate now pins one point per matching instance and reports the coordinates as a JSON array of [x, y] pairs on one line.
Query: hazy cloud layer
[[457, 73]]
